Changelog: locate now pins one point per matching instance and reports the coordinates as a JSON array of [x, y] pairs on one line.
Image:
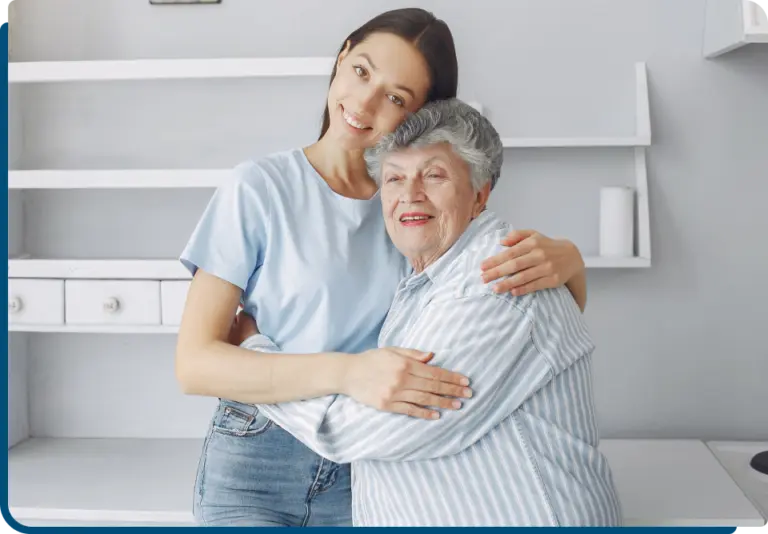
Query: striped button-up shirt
[[522, 451]]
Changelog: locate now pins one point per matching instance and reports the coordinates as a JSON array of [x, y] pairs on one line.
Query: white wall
[[680, 346]]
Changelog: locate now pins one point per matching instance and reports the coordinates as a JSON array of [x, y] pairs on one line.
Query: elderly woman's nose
[[412, 191]]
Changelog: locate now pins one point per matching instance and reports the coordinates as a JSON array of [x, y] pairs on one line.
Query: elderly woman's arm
[[495, 347], [533, 262]]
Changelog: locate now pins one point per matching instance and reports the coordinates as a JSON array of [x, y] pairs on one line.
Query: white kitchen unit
[[149, 482], [676, 482]]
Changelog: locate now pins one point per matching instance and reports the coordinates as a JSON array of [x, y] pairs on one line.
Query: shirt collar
[[481, 224]]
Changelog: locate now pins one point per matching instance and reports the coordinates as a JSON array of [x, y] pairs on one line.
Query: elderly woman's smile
[[414, 218], [428, 200]]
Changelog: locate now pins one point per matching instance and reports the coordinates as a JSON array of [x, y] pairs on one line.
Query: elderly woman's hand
[[532, 262]]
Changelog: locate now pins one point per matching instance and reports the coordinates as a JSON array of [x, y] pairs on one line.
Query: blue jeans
[[252, 472]]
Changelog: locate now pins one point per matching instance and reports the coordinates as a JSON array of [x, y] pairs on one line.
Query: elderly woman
[[523, 449]]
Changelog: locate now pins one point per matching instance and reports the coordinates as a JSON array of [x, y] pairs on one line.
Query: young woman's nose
[[367, 99]]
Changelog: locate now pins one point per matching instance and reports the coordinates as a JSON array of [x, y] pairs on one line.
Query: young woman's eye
[[396, 100], [360, 71]]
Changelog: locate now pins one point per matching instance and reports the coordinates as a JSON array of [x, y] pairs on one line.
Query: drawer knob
[[111, 305], [15, 305]]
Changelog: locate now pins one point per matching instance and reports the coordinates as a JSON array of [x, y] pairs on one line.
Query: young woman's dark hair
[[430, 35]]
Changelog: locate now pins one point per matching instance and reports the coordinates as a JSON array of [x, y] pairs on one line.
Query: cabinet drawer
[[173, 296], [35, 301], [135, 302]]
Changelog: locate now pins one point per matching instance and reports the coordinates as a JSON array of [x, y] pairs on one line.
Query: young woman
[[298, 239]]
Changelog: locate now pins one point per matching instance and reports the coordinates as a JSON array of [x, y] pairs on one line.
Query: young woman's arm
[[534, 261], [208, 364]]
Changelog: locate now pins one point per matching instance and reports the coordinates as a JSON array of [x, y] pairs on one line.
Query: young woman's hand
[[400, 380], [534, 262]]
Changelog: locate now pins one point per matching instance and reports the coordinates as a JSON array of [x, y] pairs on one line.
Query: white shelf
[[172, 269], [660, 482], [93, 329], [103, 480], [597, 262], [163, 69], [576, 142], [731, 24], [116, 179], [161, 269], [642, 137]]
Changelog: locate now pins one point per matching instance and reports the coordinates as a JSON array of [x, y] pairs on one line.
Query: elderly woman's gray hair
[[452, 121]]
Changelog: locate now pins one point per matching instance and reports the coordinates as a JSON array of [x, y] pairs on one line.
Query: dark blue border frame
[[4, 423]]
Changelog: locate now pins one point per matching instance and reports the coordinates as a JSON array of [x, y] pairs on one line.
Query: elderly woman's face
[[428, 201]]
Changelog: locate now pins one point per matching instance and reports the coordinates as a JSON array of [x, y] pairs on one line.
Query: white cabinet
[[119, 296], [35, 302], [107, 302], [731, 24], [660, 483], [173, 294]]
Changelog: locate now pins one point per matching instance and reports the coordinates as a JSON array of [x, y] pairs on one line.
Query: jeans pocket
[[238, 419]]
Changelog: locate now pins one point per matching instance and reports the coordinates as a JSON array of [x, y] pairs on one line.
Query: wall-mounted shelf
[[172, 269], [94, 329], [38, 280], [639, 142], [731, 24], [165, 69], [116, 179], [575, 142], [119, 269], [597, 262]]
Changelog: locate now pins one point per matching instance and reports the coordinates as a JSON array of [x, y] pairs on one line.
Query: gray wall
[[681, 351]]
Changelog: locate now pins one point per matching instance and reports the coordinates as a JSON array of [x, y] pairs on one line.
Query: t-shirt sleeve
[[230, 238]]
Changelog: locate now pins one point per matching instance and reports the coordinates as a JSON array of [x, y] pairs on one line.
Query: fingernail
[[465, 381], [467, 392], [435, 415], [456, 404]]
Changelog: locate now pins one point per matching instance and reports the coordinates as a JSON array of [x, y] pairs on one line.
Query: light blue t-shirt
[[317, 269]]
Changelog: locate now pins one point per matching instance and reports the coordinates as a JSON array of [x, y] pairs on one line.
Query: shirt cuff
[[261, 343]]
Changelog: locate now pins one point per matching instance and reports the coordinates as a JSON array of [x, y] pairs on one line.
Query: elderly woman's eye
[[392, 178]]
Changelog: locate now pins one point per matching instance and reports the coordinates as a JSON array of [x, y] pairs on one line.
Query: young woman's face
[[377, 83]]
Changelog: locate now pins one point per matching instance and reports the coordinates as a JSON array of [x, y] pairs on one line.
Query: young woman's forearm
[[208, 364], [219, 369]]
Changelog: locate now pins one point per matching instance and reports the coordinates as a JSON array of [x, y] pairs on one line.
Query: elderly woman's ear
[[482, 200]]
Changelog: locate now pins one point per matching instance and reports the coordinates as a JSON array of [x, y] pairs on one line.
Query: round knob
[[111, 305], [15, 305]]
